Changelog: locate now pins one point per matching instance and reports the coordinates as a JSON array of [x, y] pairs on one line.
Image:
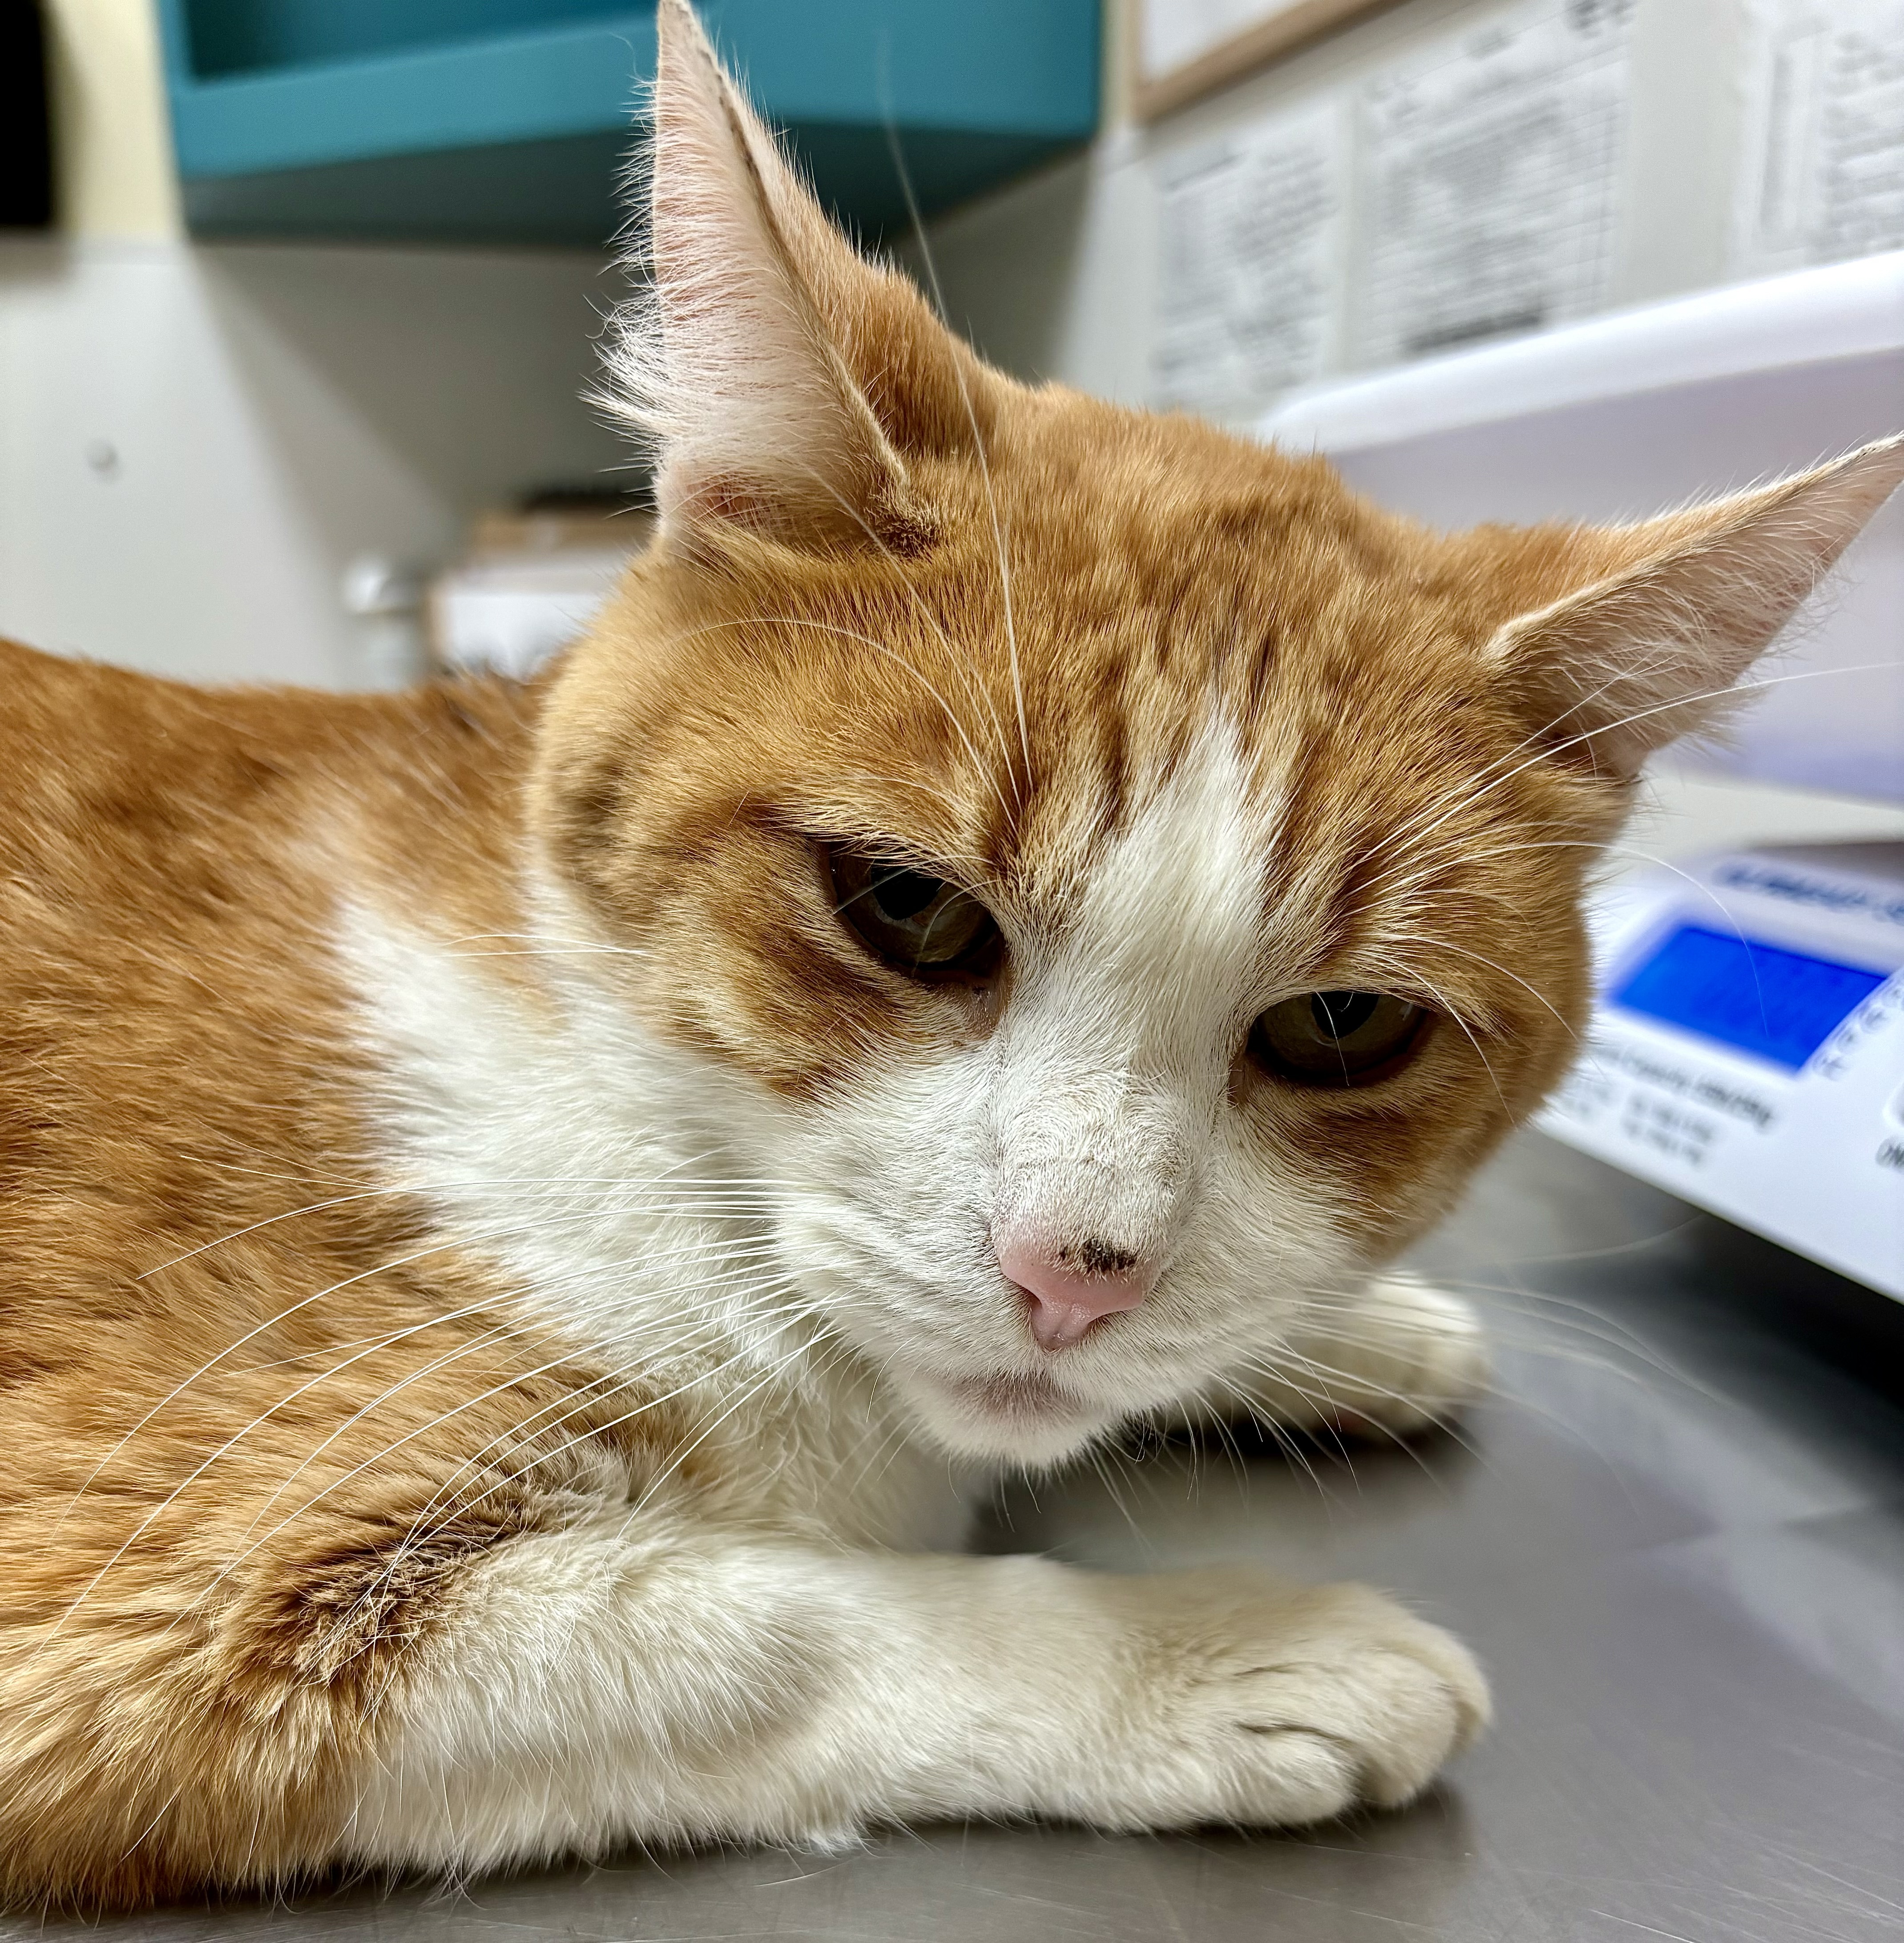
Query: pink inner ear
[[724, 496], [1064, 1302]]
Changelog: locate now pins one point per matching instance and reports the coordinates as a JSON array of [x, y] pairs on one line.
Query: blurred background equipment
[[533, 579], [426, 191], [385, 598], [25, 145]]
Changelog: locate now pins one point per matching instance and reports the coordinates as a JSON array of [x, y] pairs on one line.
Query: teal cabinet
[[509, 120]]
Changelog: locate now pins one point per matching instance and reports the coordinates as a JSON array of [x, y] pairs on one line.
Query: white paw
[[1423, 1354], [1403, 1355], [1275, 1705]]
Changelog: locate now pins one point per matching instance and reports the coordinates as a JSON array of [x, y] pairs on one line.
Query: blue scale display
[[1775, 1004]]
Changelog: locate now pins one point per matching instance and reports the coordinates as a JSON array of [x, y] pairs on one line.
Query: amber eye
[[1336, 1038], [921, 924]]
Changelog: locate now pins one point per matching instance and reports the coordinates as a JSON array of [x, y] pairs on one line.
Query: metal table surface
[[1676, 1536]]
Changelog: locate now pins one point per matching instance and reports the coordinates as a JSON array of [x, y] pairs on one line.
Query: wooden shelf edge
[[1283, 33]]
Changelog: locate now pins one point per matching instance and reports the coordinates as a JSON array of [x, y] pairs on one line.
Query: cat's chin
[[1003, 1417]]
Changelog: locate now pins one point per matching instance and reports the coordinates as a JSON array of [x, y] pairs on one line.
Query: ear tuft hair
[[1652, 649]]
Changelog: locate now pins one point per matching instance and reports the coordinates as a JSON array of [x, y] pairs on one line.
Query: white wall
[[194, 441]]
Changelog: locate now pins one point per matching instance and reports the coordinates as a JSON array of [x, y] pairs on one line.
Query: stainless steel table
[[1676, 1537]]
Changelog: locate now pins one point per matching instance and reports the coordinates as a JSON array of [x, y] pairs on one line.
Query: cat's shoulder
[[134, 805], [113, 748]]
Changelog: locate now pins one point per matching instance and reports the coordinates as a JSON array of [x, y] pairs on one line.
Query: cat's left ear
[[1679, 608]]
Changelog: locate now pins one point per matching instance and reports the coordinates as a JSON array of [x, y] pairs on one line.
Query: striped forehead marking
[[1170, 906]]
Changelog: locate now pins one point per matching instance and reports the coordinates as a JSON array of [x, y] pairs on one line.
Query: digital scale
[[1747, 1051]]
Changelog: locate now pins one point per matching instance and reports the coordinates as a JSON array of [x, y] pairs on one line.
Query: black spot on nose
[[1098, 1258]]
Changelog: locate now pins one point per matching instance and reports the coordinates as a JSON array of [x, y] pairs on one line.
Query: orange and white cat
[[512, 1194]]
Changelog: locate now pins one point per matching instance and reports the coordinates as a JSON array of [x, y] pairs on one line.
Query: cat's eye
[[1336, 1038], [919, 923]]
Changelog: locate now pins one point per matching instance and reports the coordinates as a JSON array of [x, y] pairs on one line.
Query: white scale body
[[1747, 1050]]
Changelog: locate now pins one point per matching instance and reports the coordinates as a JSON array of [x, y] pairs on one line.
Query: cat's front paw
[[1277, 1705], [1417, 1355], [1403, 1356]]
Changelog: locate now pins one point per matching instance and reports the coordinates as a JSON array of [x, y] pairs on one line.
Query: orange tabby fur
[[202, 1645]]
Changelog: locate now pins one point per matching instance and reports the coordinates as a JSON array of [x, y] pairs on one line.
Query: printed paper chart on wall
[[1486, 180], [1251, 237], [1821, 176]]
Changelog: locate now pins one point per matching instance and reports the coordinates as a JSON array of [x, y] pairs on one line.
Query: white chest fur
[[552, 1135]]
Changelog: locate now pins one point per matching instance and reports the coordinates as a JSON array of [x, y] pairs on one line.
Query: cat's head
[[1119, 882]]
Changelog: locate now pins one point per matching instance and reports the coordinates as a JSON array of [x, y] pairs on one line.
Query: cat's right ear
[[729, 365], [1659, 621]]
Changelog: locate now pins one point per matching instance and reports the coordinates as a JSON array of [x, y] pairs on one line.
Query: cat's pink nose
[[1068, 1292]]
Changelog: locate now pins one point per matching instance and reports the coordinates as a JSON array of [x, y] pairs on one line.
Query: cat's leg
[[591, 1689], [413, 1626], [1393, 1357]]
